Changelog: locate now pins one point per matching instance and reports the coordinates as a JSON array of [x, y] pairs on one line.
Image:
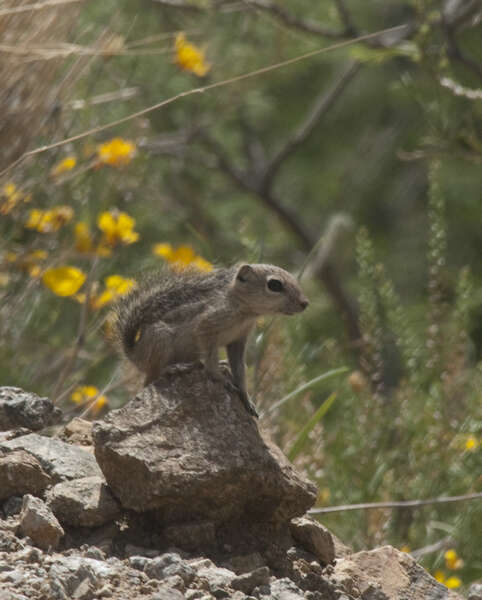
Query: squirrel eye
[[275, 285]]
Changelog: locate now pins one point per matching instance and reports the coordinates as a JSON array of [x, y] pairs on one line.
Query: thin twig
[[399, 504], [36, 6]]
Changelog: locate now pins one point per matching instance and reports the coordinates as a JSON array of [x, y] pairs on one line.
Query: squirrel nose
[[304, 303]]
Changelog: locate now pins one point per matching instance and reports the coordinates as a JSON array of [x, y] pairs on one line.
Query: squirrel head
[[267, 289]]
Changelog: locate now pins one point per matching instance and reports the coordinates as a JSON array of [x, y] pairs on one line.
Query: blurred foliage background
[[139, 132]]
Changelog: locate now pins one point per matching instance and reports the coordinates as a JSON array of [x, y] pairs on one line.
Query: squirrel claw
[[249, 405]]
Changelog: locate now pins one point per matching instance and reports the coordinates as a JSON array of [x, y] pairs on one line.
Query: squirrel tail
[[128, 319]]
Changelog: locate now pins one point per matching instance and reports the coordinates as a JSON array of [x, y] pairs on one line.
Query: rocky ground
[[176, 495]]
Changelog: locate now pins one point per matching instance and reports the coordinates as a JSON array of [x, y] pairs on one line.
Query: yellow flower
[[117, 227], [48, 221], [64, 281], [405, 548], [83, 239], [12, 197], [119, 285], [84, 242], [453, 582], [164, 250], [189, 57], [471, 443], [85, 394], [439, 576], [66, 164], [115, 286], [181, 257], [28, 262], [452, 561], [9, 190], [116, 152], [202, 264]]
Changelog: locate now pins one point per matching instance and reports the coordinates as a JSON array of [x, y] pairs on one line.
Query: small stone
[[39, 523], [285, 589], [248, 581], [83, 591], [59, 460], [79, 432], [21, 473], [167, 594], [25, 409], [475, 592], [314, 537], [168, 565], [94, 552], [201, 563], [244, 563], [84, 502], [138, 562], [176, 582], [216, 576], [11, 434]]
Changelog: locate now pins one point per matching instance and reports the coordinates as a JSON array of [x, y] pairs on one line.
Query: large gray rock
[[21, 473], [60, 460], [25, 409], [388, 574], [187, 448], [39, 523], [85, 502]]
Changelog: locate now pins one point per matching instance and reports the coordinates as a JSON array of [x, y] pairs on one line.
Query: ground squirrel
[[180, 317]]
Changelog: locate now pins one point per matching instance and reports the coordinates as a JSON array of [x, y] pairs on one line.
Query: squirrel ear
[[244, 273]]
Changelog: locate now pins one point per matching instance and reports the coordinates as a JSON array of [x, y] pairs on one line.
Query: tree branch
[[249, 181], [346, 19], [321, 106], [293, 22]]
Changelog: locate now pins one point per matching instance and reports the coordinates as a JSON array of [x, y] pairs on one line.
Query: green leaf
[[304, 433]]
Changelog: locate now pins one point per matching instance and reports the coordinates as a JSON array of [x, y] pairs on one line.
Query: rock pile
[[175, 496]]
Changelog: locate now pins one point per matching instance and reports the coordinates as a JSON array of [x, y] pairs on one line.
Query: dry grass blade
[[27, 100]]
